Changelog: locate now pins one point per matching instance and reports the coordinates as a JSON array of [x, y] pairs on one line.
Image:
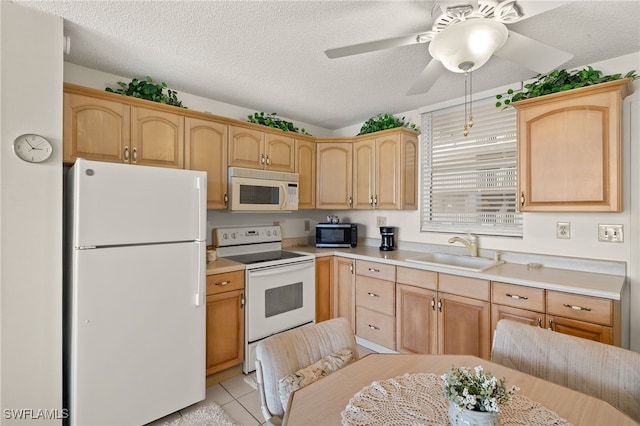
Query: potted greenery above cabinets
[[271, 120], [147, 89], [559, 81], [384, 122]]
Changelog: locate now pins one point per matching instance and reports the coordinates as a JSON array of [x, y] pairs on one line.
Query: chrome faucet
[[471, 245]]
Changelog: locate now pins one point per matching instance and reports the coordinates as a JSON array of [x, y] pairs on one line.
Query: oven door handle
[[280, 269]]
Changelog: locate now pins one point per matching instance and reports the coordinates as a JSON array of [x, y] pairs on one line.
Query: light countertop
[[567, 280]]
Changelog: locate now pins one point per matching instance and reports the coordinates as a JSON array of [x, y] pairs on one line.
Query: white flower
[[476, 389]]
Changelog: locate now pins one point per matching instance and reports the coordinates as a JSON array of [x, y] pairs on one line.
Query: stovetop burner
[[265, 256]]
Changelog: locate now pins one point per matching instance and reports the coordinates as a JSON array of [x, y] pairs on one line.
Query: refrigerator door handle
[[200, 288]]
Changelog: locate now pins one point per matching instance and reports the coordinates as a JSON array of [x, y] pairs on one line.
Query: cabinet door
[[343, 290], [157, 138], [464, 326], [409, 171], [206, 150], [323, 288], [387, 173], [306, 169], [279, 153], [95, 129], [364, 174], [499, 312], [246, 148], [416, 320], [569, 149], [225, 330], [586, 330], [333, 187]]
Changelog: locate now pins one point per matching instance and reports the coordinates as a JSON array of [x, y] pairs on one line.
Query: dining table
[[380, 389]]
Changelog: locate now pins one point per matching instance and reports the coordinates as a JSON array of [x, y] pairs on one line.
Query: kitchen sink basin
[[456, 261]]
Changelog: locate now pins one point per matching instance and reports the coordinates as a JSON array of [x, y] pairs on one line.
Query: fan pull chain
[[466, 94], [470, 100]]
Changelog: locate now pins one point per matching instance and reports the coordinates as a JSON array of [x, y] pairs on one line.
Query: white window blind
[[469, 183]]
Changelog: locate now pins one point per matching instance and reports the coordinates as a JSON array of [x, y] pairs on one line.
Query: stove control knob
[[225, 236], [268, 233], [275, 232], [233, 235]]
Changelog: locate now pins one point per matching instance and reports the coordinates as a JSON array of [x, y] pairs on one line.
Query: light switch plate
[[381, 221], [611, 233]]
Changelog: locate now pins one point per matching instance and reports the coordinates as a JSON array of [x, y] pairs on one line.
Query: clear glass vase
[[462, 417]]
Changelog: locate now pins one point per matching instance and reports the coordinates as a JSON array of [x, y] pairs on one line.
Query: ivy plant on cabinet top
[[559, 81], [147, 89], [271, 120], [384, 122]]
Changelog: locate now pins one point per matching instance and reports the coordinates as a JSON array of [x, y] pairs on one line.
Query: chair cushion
[[312, 373]]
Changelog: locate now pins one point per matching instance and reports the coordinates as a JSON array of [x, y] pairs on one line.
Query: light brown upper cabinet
[[206, 150], [569, 149], [334, 181], [256, 149], [379, 179], [306, 169], [95, 129], [99, 127]]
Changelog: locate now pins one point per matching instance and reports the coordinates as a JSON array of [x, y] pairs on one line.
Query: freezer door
[[137, 333], [115, 204]]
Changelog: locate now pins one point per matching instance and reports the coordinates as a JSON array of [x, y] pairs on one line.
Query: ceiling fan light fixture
[[471, 40]]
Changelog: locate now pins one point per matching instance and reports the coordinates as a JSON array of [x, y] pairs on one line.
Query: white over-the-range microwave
[[262, 190]]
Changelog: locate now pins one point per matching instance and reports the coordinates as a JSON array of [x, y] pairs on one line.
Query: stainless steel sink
[[467, 263]]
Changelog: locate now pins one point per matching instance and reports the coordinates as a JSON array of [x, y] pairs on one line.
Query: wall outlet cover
[[611, 233], [563, 230]]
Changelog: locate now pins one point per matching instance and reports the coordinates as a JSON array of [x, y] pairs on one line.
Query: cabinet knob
[[268, 160], [134, 155], [125, 155], [522, 199]]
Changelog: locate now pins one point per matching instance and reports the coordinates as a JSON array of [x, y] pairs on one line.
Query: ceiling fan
[[464, 36]]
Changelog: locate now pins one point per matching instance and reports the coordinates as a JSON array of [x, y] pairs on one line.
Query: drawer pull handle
[[575, 307], [374, 270], [515, 296], [373, 294], [222, 283], [373, 327], [539, 322]]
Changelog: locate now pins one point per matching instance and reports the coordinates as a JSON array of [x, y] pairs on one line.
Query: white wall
[[539, 228], [30, 216]]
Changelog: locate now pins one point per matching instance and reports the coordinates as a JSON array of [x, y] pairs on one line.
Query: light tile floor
[[238, 399]]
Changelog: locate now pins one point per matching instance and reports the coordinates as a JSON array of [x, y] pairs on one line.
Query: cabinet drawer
[[583, 308], [375, 294], [464, 286], [376, 270], [518, 296], [227, 281], [417, 277], [376, 327]]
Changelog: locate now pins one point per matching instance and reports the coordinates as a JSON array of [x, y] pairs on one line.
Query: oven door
[[278, 298]]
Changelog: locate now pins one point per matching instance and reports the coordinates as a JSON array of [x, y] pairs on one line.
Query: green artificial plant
[[384, 122], [271, 120], [559, 81], [147, 89]]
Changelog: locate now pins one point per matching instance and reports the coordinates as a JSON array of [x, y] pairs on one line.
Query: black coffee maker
[[388, 238]]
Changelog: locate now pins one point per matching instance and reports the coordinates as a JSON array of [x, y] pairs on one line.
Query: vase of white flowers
[[475, 396]]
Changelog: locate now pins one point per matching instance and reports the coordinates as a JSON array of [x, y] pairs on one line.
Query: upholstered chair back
[[604, 371]]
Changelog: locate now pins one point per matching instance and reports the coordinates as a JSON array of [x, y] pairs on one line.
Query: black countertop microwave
[[336, 235]]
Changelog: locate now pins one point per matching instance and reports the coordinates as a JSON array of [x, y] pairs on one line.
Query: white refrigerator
[[134, 292]]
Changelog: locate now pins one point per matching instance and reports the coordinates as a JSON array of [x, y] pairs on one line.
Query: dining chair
[[604, 371], [297, 357]]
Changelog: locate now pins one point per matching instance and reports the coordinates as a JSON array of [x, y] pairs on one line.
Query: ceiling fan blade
[[532, 54], [372, 46], [428, 78]]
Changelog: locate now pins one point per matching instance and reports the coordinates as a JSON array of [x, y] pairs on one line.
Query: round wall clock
[[32, 148]]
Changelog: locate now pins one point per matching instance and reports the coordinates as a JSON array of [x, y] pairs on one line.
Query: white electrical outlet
[[381, 221], [611, 233], [563, 230]]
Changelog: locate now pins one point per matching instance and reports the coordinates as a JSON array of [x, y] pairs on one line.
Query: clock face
[[32, 148]]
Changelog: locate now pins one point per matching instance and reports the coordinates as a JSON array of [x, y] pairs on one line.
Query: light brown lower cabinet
[[324, 271], [225, 321], [343, 289]]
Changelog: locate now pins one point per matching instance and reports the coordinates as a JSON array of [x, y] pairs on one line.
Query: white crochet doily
[[417, 399]]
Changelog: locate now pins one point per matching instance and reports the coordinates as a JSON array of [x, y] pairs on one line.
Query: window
[[469, 183]]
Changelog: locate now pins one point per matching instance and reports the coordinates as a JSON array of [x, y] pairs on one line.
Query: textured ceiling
[[268, 55]]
